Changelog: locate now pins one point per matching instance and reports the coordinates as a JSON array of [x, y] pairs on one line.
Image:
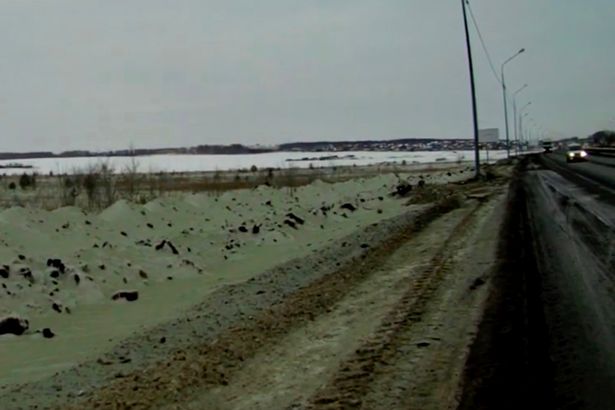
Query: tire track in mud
[[426, 372], [380, 355], [291, 371], [214, 364]]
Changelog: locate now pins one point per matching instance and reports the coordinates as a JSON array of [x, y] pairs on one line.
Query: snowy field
[[194, 163]]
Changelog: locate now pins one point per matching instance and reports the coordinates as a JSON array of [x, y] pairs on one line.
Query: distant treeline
[[26, 155], [321, 145], [406, 144], [605, 138], [201, 149]]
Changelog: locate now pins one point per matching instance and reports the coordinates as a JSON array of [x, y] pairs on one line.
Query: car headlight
[[571, 154], [583, 153]]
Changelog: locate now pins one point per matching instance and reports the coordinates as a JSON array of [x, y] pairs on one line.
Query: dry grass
[[99, 186]]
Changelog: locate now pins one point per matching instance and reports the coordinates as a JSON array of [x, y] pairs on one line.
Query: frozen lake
[[190, 163]]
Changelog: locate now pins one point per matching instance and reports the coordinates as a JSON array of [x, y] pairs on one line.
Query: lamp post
[[521, 116], [533, 127], [515, 122], [472, 85], [504, 95], [537, 131]]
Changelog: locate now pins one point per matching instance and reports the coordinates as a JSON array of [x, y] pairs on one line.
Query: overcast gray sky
[[100, 74]]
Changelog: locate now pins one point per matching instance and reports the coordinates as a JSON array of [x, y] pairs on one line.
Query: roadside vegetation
[[100, 185], [605, 138]]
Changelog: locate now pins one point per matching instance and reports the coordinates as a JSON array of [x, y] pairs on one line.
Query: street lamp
[[533, 127], [504, 94], [521, 116], [538, 132], [516, 123]]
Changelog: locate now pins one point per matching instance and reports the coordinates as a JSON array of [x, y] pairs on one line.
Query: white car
[[575, 153]]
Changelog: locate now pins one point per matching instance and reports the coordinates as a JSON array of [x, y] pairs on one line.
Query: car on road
[[547, 146], [575, 152]]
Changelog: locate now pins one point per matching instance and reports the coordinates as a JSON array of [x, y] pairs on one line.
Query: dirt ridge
[[213, 363]]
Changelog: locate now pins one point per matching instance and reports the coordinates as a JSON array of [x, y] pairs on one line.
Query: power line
[[482, 41]]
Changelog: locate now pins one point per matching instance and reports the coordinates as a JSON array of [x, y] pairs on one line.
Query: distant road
[[597, 170]]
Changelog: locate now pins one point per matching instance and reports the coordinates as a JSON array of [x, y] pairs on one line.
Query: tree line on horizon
[[604, 138]]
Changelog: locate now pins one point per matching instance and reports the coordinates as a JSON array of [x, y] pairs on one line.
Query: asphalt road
[[574, 234], [548, 335], [571, 209], [597, 169]]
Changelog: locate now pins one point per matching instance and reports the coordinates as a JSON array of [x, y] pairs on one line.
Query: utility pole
[[473, 87], [522, 114], [522, 133], [515, 121], [515, 125], [505, 100]]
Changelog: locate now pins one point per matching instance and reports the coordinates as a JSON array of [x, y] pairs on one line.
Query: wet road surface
[[548, 335]]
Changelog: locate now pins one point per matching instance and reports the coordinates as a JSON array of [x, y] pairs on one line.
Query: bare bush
[[162, 181], [130, 177], [69, 189], [27, 181], [152, 183], [91, 183], [99, 185], [288, 179], [109, 192]]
